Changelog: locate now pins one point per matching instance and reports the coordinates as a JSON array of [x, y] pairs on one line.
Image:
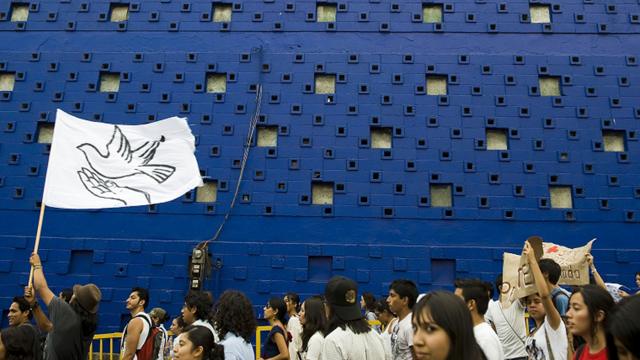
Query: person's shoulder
[[58, 305], [293, 321], [561, 330], [565, 291], [316, 338], [559, 290], [56, 301], [334, 338], [483, 329]]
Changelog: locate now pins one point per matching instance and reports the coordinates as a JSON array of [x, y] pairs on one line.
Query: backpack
[[152, 347], [555, 296]]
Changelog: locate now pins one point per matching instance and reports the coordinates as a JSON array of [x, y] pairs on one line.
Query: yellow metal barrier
[[100, 338]]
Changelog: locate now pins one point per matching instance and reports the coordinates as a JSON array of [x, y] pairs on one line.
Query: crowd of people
[[468, 323]]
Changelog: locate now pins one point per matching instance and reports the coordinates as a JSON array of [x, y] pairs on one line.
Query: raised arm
[[553, 316], [595, 273], [39, 281], [41, 319]]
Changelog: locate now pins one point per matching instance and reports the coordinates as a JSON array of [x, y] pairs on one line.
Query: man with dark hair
[[509, 323], [19, 315], [196, 310], [551, 272], [402, 297], [138, 329], [19, 311], [476, 295], [72, 324]]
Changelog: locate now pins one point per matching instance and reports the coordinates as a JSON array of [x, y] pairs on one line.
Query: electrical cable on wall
[[245, 156]]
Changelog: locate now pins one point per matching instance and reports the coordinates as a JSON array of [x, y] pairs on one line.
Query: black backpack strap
[[145, 319], [141, 316]]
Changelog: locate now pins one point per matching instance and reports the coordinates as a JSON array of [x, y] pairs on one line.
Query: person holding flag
[[72, 325], [93, 166]]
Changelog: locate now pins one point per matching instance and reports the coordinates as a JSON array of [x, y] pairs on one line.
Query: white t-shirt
[[402, 339], [314, 348], [346, 345], [510, 325], [488, 341], [386, 335], [208, 325], [537, 344], [236, 348], [295, 329]]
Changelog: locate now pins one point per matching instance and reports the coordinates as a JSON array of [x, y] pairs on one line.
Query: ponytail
[[216, 353]]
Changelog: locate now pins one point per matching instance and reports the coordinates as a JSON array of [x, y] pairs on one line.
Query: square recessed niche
[[19, 12], [549, 85], [267, 136], [436, 85], [45, 133], [7, 81], [381, 137], [222, 12], [432, 13], [109, 82], [325, 12], [613, 140], [440, 195], [322, 193], [207, 192], [539, 13], [561, 197], [119, 12], [216, 83], [325, 84], [497, 139]]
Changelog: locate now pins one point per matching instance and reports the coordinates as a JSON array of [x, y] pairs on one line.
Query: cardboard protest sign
[[575, 270], [518, 280]]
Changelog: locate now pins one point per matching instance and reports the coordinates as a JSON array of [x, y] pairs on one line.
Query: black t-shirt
[[270, 348]]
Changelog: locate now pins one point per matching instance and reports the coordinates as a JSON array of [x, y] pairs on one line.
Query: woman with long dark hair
[[314, 323], [276, 345], [590, 307], [625, 328], [443, 329], [349, 335], [197, 343]]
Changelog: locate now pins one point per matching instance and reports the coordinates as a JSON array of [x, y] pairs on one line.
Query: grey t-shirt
[[65, 341]]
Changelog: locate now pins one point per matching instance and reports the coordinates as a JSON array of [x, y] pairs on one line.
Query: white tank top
[[143, 335]]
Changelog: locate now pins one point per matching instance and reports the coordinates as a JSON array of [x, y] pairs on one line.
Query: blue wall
[[493, 59]]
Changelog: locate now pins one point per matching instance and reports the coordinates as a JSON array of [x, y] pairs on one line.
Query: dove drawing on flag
[[93, 165], [121, 161]]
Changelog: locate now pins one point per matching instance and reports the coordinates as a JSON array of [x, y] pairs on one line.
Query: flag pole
[[37, 244]]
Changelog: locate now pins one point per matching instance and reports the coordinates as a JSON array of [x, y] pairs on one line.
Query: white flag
[[96, 165]]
